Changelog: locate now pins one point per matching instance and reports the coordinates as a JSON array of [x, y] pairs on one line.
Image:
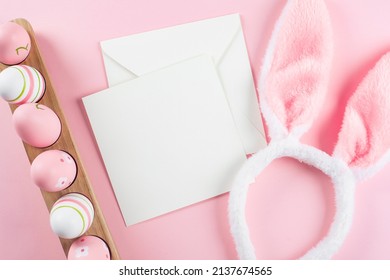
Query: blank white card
[[167, 138]]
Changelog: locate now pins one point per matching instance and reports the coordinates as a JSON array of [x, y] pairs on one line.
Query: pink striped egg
[[71, 216], [21, 84], [15, 43], [89, 248], [53, 170]]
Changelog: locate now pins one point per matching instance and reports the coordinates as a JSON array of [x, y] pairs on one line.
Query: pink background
[[290, 206]]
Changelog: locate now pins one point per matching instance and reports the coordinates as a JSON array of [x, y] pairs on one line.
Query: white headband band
[[344, 187]]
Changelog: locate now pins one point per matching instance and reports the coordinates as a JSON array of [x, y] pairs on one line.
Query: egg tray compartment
[[81, 184]]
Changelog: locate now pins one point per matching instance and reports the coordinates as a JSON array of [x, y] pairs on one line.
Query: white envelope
[[222, 38], [167, 139]]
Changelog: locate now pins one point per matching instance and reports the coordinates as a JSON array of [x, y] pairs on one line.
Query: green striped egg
[[71, 216], [21, 84]]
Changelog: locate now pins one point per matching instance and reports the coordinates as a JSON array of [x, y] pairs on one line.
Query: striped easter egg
[[21, 84], [71, 215]]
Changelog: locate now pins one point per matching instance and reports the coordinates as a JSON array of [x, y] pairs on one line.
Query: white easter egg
[[71, 216], [21, 84]]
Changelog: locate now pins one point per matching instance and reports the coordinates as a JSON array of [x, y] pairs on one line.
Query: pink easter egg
[[89, 248], [15, 43], [37, 124], [53, 170]]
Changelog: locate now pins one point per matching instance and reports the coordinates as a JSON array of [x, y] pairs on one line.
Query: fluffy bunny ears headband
[[292, 87]]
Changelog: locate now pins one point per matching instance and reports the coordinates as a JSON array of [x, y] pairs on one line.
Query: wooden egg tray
[[81, 184]]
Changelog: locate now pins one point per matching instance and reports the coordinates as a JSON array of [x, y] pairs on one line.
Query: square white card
[[167, 138]]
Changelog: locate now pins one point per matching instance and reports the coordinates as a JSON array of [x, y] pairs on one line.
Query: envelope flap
[[149, 51]]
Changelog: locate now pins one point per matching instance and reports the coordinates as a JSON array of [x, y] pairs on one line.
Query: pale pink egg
[[89, 248], [15, 43], [37, 124], [53, 170]]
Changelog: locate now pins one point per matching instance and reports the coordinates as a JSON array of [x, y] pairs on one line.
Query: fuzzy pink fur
[[298, 76], [292, 87], [365, 134]]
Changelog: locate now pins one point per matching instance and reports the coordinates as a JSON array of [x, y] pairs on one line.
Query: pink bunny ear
[[296, 67], [364, 139]]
